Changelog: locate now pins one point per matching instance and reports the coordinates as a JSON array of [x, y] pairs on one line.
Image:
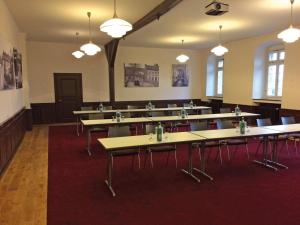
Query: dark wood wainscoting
[[11, 135], [290, 112], [43, 113]]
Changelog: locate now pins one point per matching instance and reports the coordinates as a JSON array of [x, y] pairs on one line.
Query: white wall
[[45, 58], [11, 101], [239, 68], [164, 58]]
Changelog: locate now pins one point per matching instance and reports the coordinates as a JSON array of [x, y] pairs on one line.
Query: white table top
[[203, 117], [234, 133], [139, 110], [290, 128], [111, 122], [146, 140]]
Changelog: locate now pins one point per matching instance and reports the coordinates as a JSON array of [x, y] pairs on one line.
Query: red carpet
[[242, 193]]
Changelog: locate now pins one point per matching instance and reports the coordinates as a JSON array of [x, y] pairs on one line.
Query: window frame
[[277, 63], [217, 69]]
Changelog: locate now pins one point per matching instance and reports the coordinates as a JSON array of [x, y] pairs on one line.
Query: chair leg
[[112, 161], [296, 147], [259, 144], [199, 153], [175, 156], [146, 157], [287, 147], [151, 159], [247, 151], [139, 160], [220, 154], [228, 153]]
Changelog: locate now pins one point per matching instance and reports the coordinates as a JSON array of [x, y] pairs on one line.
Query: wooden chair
[[85, 117], [121, 131], [149, 128], [282, 138], [202, 125], [227, 124]]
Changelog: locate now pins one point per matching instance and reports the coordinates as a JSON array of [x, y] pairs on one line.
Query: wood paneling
[[290, 112], [11, 135], [43, 113]]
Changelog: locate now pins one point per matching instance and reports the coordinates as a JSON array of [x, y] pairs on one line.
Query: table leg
[[77, 125], [202, 164], [274, 160], [265, 161], [88, 146], [109, 174], [189, 171]]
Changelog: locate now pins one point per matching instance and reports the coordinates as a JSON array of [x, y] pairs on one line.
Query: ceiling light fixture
[[182, 58], [116, 27], [219, 50], [90, 48], [77, 54], [291, 34]]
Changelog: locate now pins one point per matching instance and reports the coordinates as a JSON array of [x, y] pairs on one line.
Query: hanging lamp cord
[[89, 15], [220, 34], [292, 3], [115, 9]]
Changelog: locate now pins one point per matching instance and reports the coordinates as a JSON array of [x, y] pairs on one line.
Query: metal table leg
[[88, 146], [202, 164], [265, 160], [274, 160], [77, 125], [109, 174], [189, 171]]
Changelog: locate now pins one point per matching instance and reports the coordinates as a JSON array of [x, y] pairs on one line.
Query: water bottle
[[237, 110], [159, 132], [243, 125], [183, 113], [191, 104], [118, 116], [100, 107], [149, 105]]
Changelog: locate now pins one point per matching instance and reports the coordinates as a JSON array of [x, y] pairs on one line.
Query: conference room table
[[142, 141], [90, 124], [141, 110]]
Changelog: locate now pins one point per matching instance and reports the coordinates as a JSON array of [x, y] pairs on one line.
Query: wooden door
[[68, 95]]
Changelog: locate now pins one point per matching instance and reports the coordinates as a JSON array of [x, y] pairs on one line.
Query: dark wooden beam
[[154, 14], [112, 46], [111, 52]]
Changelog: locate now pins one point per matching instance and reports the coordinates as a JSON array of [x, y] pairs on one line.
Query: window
[[274, 72], [219, 77]]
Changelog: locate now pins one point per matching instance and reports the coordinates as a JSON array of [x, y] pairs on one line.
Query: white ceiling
[[58, 20]]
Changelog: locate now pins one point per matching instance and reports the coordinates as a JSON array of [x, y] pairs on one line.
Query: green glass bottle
[[118, 116], [159, 132], [243, 125]]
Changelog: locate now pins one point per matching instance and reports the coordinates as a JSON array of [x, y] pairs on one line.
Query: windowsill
[[273, 101], [214, 98]]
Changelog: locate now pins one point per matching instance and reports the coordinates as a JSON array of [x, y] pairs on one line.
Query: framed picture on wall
[[18, 68], [7, 80], [141, 75], [180, 75]]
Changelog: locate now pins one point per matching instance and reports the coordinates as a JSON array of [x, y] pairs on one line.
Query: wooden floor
[[23, 187]]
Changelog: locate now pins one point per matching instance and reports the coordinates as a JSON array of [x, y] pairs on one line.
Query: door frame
[[55, 78]]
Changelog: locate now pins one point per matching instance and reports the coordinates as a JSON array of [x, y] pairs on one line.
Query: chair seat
[[98, 129], [164, 148], [294, 136], [207, 144], [280, 137], [236, 142], [125, 152]]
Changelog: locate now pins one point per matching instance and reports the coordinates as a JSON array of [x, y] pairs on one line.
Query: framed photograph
[[180, 75], [7, 78], [18, 68], [141, 75]]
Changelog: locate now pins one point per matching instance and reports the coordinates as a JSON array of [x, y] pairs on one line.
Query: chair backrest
[[83, 108], [119, 131], [186, 105], [172, 105], [96, 116], [288, 120], [263, 122], [156, 114], [206, 111], [224, 124], [149, 128], [132, 107], [107, 107], [196, 126], [225, 110]]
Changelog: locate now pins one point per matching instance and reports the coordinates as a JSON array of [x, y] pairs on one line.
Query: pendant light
[[291, 34], [77, 54], [90, 48], [182, 58], [219, 50], [115, 27]]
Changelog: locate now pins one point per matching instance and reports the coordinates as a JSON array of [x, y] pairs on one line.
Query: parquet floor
[[23, 186]]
